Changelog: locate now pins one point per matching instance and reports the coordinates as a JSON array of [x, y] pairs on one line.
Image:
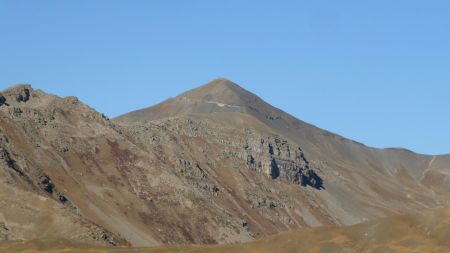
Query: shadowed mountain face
[[213, 165]]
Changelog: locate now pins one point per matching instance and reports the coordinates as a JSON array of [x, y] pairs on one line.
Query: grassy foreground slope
[[428, 232]]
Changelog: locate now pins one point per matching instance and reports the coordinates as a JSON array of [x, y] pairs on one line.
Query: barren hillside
[[215, 165], [425, 232]]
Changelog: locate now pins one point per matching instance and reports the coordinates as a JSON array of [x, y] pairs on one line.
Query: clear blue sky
[[374, 71]]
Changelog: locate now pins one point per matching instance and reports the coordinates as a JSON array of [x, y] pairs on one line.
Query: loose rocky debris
[[191, 169], [211, 188]]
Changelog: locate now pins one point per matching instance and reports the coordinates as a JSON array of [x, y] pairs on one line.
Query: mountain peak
[[219, 95], [220, 89], [221, 83]]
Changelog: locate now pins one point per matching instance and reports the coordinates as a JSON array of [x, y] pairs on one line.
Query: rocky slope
[[213, 165]]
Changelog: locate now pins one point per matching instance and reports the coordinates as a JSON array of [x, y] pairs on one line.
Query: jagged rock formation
[[275, 158], [213, 165]]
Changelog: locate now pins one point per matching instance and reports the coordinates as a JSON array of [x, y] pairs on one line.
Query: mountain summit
[[220, 89], [220, 95]]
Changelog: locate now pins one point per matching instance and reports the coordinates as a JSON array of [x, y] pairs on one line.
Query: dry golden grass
[[428, 232]]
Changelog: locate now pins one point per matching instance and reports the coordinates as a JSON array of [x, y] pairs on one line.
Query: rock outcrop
[[18, 93], [276, 158], [2, 100]]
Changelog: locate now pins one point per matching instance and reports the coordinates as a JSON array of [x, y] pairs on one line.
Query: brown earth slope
[[426, 232], [214, 165]]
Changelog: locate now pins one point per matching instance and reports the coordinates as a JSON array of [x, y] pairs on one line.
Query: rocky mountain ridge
[[214, 165]]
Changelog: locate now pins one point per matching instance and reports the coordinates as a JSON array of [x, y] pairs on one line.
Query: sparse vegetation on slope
[[425, 232]]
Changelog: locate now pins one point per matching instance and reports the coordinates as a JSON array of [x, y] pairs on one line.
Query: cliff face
[[215, 165], [277, 159]]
